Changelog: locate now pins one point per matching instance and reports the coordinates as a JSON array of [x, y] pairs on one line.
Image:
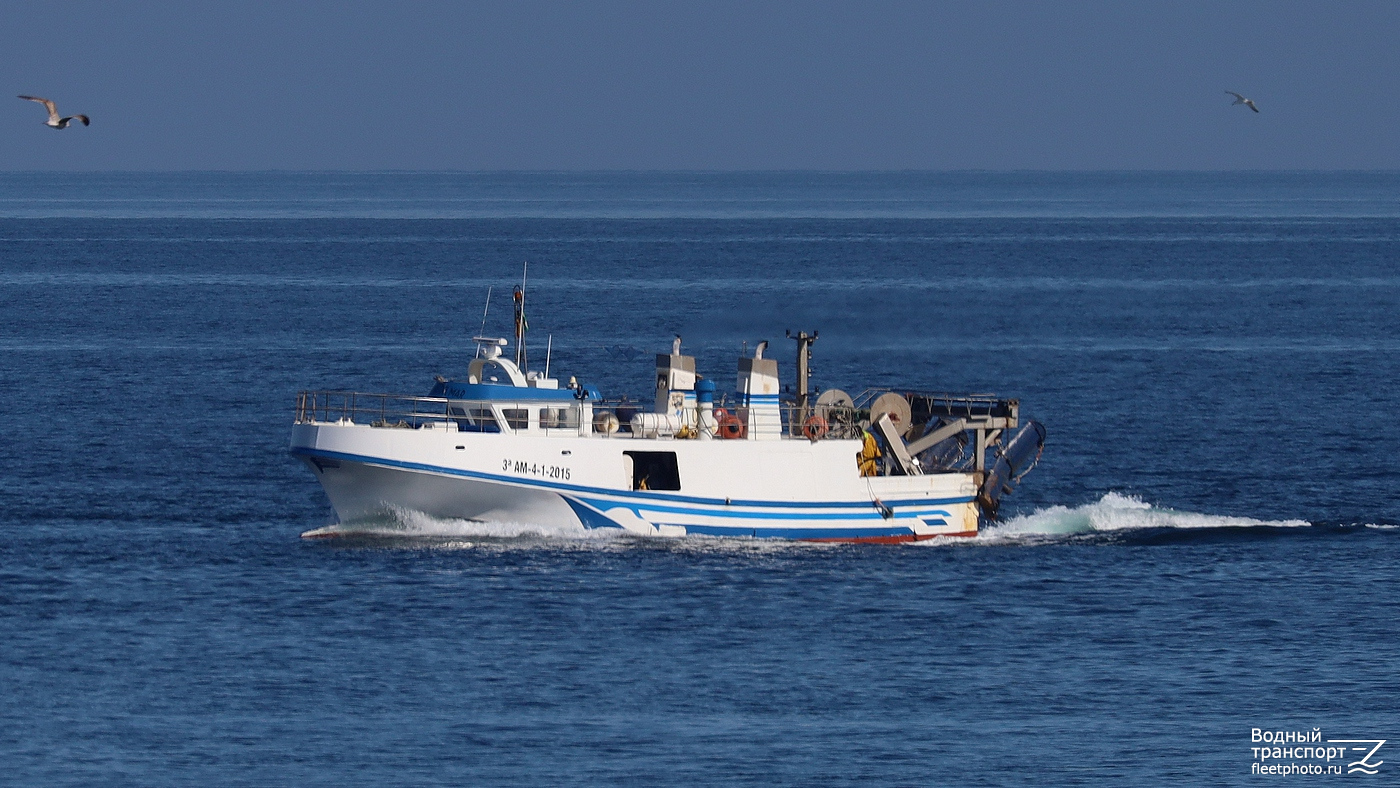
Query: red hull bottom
[[892, 539]]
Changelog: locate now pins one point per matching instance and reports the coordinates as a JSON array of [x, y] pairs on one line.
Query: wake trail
[[1113, 513]]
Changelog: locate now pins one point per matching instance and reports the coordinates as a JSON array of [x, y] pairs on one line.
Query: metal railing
[[379, 410], [824, 422], [925, 404], [834, 422], [815, 422], [408, 412]]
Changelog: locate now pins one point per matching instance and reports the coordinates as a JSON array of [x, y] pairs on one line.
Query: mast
[[804, 360], [521, 324]]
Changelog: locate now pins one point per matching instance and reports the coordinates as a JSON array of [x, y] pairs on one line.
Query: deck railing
[[815, 422], [379, 410]]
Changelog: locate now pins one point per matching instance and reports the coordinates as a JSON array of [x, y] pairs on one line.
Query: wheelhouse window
[[477, 419], [559, 418], [517, 418], [654, 470]]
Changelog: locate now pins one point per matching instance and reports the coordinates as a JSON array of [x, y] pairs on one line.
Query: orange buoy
[[815, 428], [730, 426]]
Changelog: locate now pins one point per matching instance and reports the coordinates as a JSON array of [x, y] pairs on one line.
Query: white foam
[[451, 533], [1113, 512], [409, 523]]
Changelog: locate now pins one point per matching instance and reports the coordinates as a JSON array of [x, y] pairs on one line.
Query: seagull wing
[[53, 111], [1238, 98], [1251, 105], [84, 118]]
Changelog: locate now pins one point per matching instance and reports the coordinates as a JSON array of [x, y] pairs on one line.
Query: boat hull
[[778, 489]]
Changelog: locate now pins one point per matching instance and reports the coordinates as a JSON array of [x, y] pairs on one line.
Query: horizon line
[[682, 171]]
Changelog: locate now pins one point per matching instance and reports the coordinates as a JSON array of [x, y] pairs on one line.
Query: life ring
[[815, 428], [729, 424]]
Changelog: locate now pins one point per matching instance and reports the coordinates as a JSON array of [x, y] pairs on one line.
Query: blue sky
[[703, 86]]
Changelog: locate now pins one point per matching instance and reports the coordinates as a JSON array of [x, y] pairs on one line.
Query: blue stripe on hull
[[592, 518], [722, 511], [588, 516]]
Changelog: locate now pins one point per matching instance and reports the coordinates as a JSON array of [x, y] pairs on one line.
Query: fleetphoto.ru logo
[[1306, 752]]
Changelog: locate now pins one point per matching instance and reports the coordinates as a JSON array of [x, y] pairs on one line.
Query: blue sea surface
[[1208, 545]]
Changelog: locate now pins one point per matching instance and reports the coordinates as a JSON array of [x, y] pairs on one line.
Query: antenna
[[483, 320], [548, 349]]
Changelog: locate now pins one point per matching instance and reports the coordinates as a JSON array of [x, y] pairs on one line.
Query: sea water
[[1208, 545]]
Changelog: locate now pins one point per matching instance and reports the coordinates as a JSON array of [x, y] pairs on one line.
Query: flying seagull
[[1238, 100], [54, 121]]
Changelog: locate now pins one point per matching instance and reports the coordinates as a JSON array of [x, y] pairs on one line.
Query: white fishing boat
[[508, 444]]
